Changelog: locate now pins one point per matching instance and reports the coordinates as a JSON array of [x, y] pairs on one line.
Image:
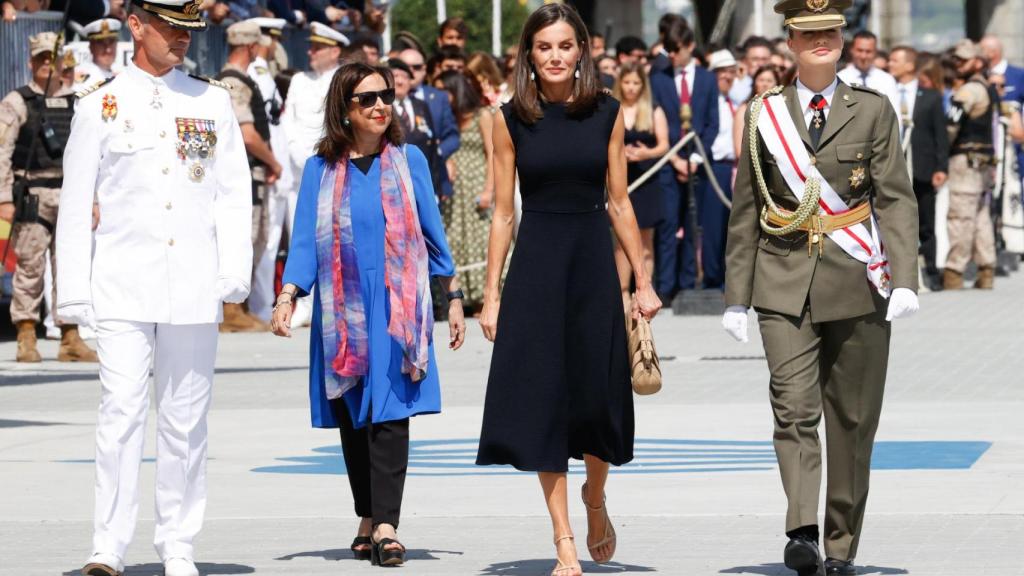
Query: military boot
[[27, 351], [73, 348], [237, 320], [952, 280], [986, 278]]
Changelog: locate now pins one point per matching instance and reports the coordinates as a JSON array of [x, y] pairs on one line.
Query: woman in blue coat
[[367, 238]]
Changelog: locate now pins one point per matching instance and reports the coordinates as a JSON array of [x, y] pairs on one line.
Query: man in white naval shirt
[[862, 70], [280, 203], [303, 117], [163, 155], [714, 215], [102, 35]]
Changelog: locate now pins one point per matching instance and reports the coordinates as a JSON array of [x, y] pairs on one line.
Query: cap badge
[[104, 27], [817, 5], [191, 8]]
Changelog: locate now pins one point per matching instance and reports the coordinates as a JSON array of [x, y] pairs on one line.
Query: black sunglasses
[[368, 99], [417, 67]]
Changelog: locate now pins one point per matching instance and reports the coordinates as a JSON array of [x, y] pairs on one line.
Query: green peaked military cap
[[813, 14]]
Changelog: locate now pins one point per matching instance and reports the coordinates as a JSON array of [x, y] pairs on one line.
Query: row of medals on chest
[[197, 137]]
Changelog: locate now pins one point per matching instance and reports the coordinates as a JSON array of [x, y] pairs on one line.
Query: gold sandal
[[609, 530], [561, 569]]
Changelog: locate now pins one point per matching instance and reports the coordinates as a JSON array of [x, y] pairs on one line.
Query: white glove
[[735, 323], [903, 303], [79, 313], [232, 290]]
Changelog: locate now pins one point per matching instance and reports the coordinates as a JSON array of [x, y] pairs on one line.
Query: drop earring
[[346, 122], [577, 74], [532, 76]]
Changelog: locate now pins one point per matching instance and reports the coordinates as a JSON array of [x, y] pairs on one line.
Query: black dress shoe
[[835, 567], [802, 556]]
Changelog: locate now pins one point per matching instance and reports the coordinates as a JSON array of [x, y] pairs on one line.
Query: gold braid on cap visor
[[837, 19]]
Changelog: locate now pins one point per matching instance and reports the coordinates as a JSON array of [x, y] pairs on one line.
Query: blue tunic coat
[[385, 393]]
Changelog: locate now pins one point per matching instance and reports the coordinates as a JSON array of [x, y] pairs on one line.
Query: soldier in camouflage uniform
[[28, 116], [248, 104], [971, 172]]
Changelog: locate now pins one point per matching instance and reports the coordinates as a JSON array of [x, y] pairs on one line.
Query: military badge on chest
[[197, 141], [857, 177]]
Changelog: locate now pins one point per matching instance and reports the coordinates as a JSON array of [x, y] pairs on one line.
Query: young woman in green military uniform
[[816, 193]]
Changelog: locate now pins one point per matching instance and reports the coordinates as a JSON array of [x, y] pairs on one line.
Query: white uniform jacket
[[303, 117], [172, 220]]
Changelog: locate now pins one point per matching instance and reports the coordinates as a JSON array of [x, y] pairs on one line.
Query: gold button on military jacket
[[860, 155]]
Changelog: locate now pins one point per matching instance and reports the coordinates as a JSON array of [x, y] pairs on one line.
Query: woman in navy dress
[[367, 237], [559, 384]]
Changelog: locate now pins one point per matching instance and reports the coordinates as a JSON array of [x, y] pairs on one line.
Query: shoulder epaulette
[[863, 88], [93, 88], [211, 81]]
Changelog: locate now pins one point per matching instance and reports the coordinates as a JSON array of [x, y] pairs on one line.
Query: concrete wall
[[746, 22], [625, 16], [1003, 18]]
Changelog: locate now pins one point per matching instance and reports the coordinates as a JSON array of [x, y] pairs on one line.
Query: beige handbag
[[643, 360]]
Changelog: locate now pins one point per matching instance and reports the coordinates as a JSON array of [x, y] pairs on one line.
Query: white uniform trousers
[[280, 215], [182, 357]]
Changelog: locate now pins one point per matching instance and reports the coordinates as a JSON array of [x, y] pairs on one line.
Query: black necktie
[[818, 121]]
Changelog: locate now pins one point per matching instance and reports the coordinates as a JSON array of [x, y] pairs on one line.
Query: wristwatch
[[456, 295]]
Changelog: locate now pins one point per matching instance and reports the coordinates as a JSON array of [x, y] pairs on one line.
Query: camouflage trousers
[[971, 233], [31, 241]]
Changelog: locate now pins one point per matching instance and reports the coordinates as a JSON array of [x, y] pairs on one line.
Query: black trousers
[[376, 457], [925, 193]]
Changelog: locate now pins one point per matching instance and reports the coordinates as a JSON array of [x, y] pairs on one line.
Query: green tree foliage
[[420, 18]]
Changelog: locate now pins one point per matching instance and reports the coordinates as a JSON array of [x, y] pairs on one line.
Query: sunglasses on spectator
[[368, 99], [417, 67]]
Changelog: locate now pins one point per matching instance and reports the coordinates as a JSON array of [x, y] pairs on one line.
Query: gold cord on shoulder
[[812, 187]]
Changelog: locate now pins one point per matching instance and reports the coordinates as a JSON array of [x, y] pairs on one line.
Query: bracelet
[[279, 304]]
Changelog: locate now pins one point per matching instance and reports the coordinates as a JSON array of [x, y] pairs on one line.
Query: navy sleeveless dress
[[648, 201], [559, 385]]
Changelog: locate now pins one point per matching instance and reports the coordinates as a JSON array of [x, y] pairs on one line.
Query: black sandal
[[362, 553], [383, 556]]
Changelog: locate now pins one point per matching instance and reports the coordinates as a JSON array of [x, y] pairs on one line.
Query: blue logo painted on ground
[[456, 457]]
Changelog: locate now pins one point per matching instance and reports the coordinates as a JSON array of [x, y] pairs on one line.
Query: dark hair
[[339, 136], [594, 34], [666, 22], [450, 53], [586, 88], [364, 41], [757, 42], [762, 70], [454, 23], [678, 35], [865, 35], [466, 94], [910, 51], [627, 44]]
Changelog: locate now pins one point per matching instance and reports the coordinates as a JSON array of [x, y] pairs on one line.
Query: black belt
[[56, 182]]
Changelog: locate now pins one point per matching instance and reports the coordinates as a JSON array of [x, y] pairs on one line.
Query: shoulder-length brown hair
[[338, 135], [586, 88]]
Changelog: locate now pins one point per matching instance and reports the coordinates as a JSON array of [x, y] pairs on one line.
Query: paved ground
[[702, 498]]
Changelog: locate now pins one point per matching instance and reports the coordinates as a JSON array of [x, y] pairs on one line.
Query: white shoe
[[180, 567], [102, 564]]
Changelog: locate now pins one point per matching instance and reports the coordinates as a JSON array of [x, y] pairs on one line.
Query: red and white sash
[[784, 143]]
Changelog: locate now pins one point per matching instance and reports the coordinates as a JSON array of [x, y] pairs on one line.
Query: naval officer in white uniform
[[102, 35], [163, 155], [303, 117], [282, 195]]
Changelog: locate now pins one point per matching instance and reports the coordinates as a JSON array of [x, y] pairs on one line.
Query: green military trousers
[[836, 368]]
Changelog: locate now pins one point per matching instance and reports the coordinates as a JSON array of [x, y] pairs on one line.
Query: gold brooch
[[817, 5], [857, 177]]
